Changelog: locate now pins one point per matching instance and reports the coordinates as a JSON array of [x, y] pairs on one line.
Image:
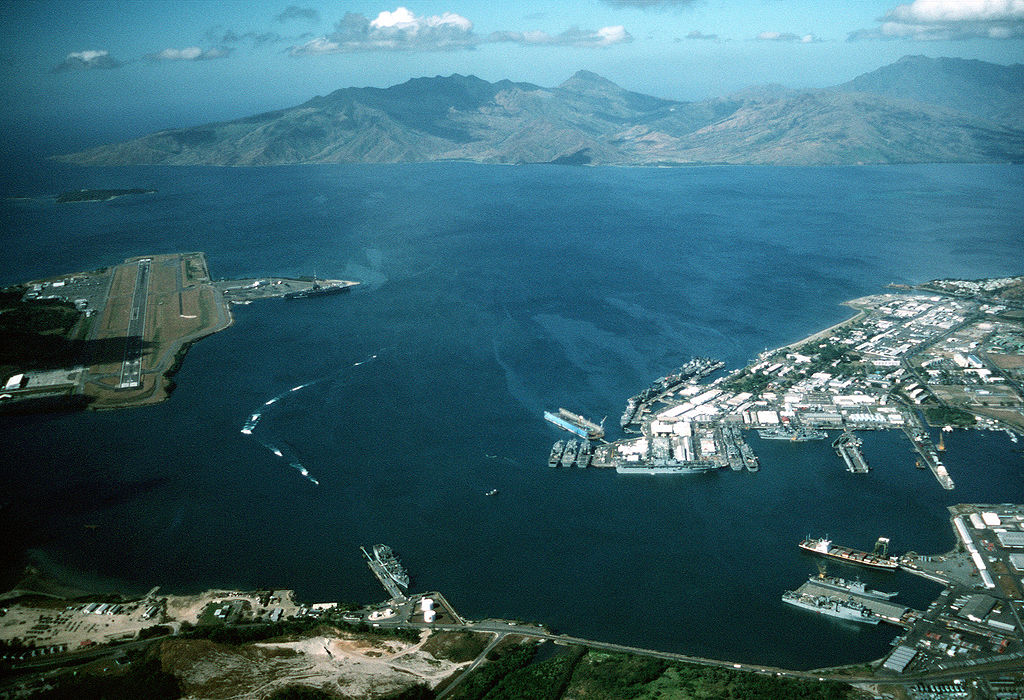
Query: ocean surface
[[490, 294]]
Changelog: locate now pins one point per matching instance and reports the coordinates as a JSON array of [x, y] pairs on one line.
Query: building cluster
[[977, 619]]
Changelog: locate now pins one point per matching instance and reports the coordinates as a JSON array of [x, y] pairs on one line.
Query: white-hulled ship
[[833, 607], [873, 560]]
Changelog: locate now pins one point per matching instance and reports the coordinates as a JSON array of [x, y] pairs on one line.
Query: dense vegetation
[[34, 334], [142, 679], [259, 631], [502, 662], [620, 676], [456, 646], [579, 673], [943, 415]]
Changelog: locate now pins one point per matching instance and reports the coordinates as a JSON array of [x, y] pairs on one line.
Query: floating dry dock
[[575, 424]]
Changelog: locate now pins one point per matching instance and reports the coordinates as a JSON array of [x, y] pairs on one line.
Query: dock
[[885, 610], [389, 585], [848, 447], [929, 454]]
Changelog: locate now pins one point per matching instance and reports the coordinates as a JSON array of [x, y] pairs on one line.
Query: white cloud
[[959, 11], [949, 20], [191, 53], [315, 46], [605, 36], [788, 36], [403, 30], [400, 30], [87, 60]]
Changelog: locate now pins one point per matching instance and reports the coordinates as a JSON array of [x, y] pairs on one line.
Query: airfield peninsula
[[114, 337]]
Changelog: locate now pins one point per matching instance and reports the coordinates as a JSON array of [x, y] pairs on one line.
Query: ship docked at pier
[[318, 290], [693, 371], [387, 562], [878, 559], [831, 606], [844, 586]]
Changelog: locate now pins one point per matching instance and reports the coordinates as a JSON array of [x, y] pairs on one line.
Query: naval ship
[[383, 555], [856, 586], [833, 607], [318, 290], [801, 434], [694, 370]]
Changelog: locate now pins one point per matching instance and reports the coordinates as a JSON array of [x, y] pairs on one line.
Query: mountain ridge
[[914, 110]]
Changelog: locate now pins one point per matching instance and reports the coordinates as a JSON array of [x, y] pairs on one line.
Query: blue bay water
[[491, 293]]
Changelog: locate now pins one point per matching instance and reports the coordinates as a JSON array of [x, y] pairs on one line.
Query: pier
[[848, 447], [929, 453]]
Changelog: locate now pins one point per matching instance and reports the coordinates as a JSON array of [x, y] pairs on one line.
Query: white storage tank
[[426, 604], [429, 615]]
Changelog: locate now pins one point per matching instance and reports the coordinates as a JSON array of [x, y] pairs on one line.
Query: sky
[[77, 73]]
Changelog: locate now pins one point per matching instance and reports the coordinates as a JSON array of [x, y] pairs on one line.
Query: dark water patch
[[487, 301]]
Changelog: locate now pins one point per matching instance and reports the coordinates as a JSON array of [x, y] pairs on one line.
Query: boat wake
[[255, 418], [499, 458]]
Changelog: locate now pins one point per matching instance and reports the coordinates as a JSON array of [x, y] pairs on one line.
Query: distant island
[[917, 110], [97, 195]]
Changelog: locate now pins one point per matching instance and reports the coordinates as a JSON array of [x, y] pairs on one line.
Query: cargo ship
[[575, 424], [387, 560], [833, 607], [855, 586], [874, 560]]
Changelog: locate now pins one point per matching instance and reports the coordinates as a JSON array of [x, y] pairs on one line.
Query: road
[[501, 629]]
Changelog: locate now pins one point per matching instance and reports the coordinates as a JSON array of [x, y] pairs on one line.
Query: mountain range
[[915, 110]]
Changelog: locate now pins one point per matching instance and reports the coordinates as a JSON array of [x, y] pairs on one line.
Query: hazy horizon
[[77, 75]]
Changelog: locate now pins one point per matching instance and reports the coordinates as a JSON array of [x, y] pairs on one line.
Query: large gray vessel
[[387, 560], [831, 606]]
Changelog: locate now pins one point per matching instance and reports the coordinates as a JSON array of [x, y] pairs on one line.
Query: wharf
[[385, 580], [886, 611], [926, 448], [848, 446]]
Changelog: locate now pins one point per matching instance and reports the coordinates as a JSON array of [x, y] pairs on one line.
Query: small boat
[[492, 492]]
